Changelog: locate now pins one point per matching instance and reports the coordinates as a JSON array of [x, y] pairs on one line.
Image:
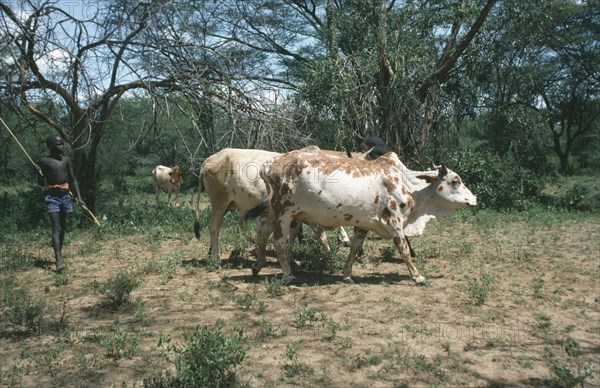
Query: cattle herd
[[370, 190]]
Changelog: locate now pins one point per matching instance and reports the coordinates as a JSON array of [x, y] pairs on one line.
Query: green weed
[[275, 286], [565, 375], [119, 343], [479, 288]]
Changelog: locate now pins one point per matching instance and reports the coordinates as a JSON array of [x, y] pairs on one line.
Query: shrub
[[498, 181], [117, 289], [22, 210], [207, 358]]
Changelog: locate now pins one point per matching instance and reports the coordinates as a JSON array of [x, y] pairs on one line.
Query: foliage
[[563, 374], [117, 289], [479, 288], [275, 286], [19, 309], [206, 358], [119, 343], [315, 259], [499, 182], [22, 209]]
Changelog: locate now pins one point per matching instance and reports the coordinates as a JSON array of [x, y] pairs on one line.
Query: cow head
[[450, 189], [176, 175]]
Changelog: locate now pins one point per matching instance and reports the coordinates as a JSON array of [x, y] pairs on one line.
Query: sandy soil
[[508, 296]]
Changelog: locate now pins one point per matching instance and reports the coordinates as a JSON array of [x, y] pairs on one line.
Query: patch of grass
[[275, 286], [119, 343], [479, 288], [538, 287], [164, 267], [19, 308], [14, 258]]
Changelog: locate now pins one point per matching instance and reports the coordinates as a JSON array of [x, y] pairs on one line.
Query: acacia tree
[[541, 75], [380, 67], [81, 66]]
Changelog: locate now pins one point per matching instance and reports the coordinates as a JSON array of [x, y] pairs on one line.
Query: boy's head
[[55, 143]]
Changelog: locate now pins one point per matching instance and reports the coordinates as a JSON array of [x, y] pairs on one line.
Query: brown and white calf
[[370, 195], [167, 179]]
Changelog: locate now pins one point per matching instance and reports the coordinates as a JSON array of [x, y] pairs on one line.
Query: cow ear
[[428, 178]]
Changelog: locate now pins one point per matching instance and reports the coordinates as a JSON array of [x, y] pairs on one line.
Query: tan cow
[[167, 179], [232, 182], [371, 195]]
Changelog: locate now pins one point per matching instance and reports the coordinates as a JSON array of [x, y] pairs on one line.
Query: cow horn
[[367, 153]]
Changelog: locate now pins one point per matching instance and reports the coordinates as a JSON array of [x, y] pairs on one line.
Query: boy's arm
[[40, 177]]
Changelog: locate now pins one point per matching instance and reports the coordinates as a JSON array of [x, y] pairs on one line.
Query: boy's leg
[[58, 233]]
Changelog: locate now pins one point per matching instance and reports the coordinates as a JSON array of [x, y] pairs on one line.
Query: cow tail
[[263, 207], [197, 220]]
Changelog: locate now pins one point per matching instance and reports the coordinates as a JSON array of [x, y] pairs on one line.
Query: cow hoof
[[423, 282], [287, 280], [255, 272], [348, 280]]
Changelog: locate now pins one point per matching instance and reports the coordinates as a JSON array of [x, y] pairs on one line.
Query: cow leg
[[177, 197], [357, 241], [169, 197], [264, 228], [321, 235], [281, 234], [215, 220], [404, 250], [343, 237], [295, 232]]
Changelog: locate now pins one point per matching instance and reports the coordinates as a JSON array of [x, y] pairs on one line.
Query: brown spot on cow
[[385, 215], [348, 217], [388, 184], [440, 188]]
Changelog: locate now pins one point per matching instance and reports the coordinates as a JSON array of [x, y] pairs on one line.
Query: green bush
[[207, 358], [580, 198], [499, 182], [116, 290], [22, 209]]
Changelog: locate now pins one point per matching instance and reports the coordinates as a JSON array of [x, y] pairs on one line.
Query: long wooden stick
[[85, 208], [22, 149]]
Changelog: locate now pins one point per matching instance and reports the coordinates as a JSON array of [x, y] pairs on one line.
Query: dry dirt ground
[[514, 301]]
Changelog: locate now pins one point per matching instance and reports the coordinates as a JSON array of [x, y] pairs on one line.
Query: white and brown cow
[[167, 179], [371, 195], [231, 180]]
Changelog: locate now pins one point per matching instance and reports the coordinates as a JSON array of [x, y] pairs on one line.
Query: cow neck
[[424, 194]]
